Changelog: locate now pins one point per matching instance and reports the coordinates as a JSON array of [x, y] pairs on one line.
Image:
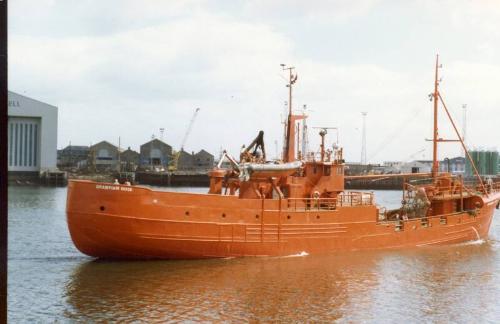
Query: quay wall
[[368, 184], [173, 179]]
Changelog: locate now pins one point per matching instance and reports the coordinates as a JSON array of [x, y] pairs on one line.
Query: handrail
[[316, 157], [350, 199], [402, 220], [317, 204]]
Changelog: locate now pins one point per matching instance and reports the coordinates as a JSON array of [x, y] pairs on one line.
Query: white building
[[32, 135], [422, 166], [407, 167]]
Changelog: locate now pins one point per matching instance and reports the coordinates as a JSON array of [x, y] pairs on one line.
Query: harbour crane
[[175, 155], [190, 127]]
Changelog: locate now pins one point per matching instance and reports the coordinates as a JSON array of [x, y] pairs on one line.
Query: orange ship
[[298, 205]]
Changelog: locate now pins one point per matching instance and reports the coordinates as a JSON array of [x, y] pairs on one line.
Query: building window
[[25, 144], [31, 146], [15, 143], [103, 154], [21, 129], [35, 153], [11, 129]]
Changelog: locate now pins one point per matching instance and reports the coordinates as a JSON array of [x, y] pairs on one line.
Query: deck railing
[[470, 186], [350, 199]]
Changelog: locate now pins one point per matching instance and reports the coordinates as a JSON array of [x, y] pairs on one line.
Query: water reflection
[[437, 283], [315, 288], [29, 199], [50, 281], [421, 283]]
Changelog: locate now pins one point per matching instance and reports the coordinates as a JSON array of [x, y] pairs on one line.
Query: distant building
[[155, 153], [185, 161], [72, 155], [32, 135], [420, 166], [200, 161], [129, 160], [392, 167], [454, 165], [103, 156], [203, 160]]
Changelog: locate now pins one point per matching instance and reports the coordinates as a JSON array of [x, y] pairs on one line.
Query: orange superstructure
[[259, 208]]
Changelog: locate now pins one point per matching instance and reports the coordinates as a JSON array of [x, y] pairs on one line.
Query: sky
[[124, 69]]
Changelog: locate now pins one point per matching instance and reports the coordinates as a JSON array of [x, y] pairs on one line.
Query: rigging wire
[[393, 135]]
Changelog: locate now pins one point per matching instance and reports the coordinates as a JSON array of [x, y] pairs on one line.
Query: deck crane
[[175, 155]]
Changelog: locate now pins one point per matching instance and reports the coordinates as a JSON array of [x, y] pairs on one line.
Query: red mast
[[435, 163], [289, 152], [435, 140]]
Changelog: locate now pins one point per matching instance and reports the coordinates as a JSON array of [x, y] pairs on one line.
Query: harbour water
[[50, 281]]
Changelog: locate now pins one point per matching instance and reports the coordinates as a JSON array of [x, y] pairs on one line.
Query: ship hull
[[129, 222]]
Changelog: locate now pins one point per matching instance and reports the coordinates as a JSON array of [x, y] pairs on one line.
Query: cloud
[[157, 72], [127, 69], [332, 11], [76, 18]]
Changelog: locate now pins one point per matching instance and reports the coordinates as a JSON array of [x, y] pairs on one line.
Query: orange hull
[[117, 221]]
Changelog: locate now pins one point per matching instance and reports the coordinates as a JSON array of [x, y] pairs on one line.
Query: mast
[[289, 152], [304, 133], [299, 157], [435, 164], [284, 122]]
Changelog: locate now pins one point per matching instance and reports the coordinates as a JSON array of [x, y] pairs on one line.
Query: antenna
[[322, 133], [363, 139], [326, 128], [161, 133]]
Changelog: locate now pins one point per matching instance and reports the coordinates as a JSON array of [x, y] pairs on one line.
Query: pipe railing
[[351, 199]]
